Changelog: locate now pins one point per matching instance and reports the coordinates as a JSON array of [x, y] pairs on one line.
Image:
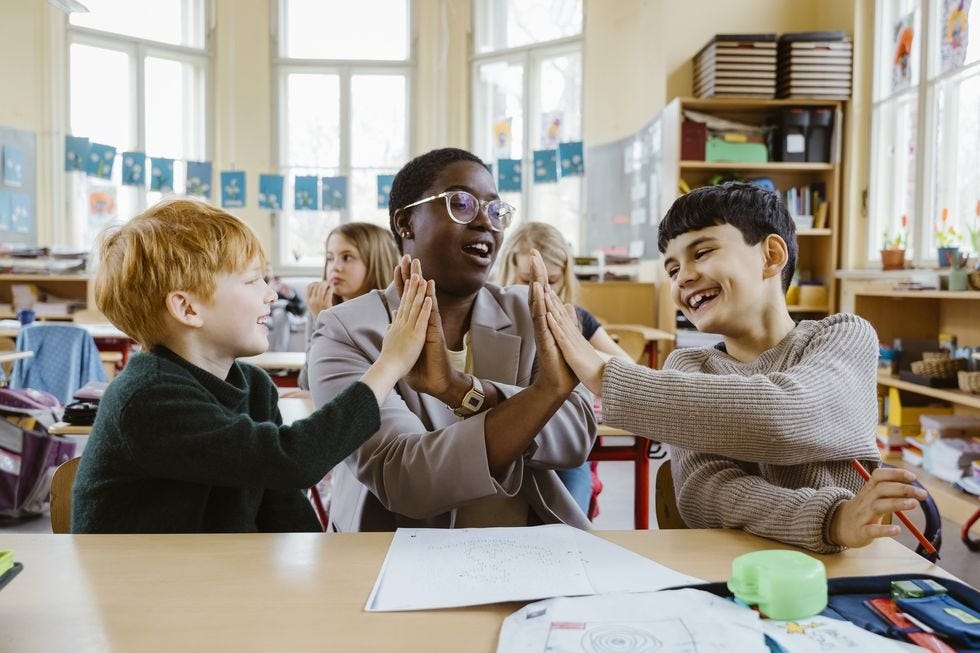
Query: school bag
[[28, 453]]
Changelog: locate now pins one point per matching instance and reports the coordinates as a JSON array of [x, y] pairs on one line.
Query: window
[[926, 124], [138, 82], [342, 111], [527, 95]]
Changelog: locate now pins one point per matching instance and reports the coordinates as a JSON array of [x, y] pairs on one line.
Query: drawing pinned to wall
[[101, 159], [199, 179], [904, 37], [955, 34], [162, 175], [509, 175], [102, 206], [232, 189], [545, 166], [305, 194], [21, 213], [551, 125], [384, 190], [333, 193], [13, 166], [6, 220], [76, 153], [270, 192], [502, 138], [572, 159], [133, 169]]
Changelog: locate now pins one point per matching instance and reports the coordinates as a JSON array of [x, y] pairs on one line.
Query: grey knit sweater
[[764, 446]]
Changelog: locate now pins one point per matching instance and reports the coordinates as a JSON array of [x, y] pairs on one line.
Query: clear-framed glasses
[[463, 208]]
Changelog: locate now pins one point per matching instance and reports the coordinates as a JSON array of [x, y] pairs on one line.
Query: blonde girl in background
[[515, 268], [360, 257]]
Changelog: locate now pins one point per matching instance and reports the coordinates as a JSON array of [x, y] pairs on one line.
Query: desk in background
[[289, 362], [290, 592]]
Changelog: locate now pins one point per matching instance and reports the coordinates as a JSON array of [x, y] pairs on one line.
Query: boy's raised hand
[[858, 522], [563, 325], [403, 341]]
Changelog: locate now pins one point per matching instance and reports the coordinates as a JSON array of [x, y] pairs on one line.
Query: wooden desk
[[292, 592], [11, 356], [291, 362], [652, 336]]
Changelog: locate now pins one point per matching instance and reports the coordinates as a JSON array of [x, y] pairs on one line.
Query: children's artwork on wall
[[162, 175], [502, 138], [305, 193], [6, 220], [954, 35], [545, 166], [551, 123], [572, 159], [21, 213], [199, 179], [76, 153], [334, 191], [270, 192], [509, 175], [232, 189], [102, 206], [101, 158], [13, 166], [904, 36], [384, 190], [133, 169]]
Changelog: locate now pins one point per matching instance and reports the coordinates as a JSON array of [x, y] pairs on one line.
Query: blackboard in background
[[626, 195], [26, 143]]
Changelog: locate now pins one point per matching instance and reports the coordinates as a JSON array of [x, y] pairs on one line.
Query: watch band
[[472, 400]]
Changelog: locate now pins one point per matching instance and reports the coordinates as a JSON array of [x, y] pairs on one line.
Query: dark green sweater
[[175, 449]]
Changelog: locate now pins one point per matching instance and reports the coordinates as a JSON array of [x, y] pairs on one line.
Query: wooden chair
[[668, 516], [61, 484], [632, 342]]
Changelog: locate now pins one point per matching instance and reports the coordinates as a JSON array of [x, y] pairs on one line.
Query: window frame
[[346, 70], [138, 50], [530, 57]]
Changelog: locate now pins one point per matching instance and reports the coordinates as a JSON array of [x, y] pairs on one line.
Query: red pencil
[[898, 513]]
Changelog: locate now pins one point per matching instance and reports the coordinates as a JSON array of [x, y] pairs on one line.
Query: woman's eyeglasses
[[463, 208]]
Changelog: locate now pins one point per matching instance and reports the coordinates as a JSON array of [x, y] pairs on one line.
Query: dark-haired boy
[[764, 426]]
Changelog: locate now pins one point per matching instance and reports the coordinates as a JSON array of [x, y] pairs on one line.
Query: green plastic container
[[720, 150], [783, 584]]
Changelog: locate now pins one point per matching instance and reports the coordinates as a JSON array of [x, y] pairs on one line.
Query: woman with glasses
[[475, 432]]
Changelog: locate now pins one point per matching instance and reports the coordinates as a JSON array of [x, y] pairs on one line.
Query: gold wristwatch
[[472, 400]]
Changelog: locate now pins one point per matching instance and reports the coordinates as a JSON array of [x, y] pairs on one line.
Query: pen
[[898, 513]]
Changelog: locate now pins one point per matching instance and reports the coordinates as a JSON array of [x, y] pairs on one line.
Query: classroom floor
[[616, 513]]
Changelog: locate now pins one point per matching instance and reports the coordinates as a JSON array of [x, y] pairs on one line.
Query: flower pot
[[893, 259], [958, 279], [946, 256]]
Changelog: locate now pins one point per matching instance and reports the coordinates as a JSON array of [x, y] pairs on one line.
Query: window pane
[[306, 231], [957, 160], [341, 29], [498, 111], [559, 99], [559, 205], [899, 39], [174, 109], [955, 22], [378, 120], [312, 121], [504, 24], [180, 22], [364, 196], [102, 102], [893, 187]]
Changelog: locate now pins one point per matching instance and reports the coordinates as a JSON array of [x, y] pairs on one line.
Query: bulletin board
[[625, 197], [18, 187]]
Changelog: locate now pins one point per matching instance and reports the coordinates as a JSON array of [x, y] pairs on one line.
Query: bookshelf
[[73, 287], [818, 247]]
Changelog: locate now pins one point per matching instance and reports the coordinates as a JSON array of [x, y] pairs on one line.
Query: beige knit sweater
[[764, 446]]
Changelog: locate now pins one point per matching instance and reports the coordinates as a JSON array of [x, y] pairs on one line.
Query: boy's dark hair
[[752, 210], [417, 175]]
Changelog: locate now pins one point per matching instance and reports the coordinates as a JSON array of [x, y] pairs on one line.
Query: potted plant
[[948, 241], [893, 247]]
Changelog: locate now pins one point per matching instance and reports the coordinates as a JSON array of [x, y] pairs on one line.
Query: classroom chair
[[668, 516], [65, 359], [632, 342], [61, 484]]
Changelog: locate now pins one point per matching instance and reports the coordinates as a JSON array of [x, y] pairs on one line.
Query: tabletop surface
[[278, 360], [292, 592]]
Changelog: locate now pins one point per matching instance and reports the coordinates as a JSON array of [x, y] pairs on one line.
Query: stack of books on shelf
[[901, 435], [814, 65], [736, 65], [807, 205]]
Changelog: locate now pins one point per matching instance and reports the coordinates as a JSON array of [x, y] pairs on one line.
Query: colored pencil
[[898, 513]]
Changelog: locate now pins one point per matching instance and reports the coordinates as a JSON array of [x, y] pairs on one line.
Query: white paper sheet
[[444, 568]]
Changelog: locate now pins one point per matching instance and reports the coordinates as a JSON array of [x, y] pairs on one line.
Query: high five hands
[[564, 329], [553, 373]]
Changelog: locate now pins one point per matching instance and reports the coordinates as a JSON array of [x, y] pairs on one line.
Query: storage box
[[902, 412], [693, 137], [718, 149]]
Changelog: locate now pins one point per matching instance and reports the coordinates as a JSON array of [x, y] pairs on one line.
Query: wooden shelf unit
[[75, 287]]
